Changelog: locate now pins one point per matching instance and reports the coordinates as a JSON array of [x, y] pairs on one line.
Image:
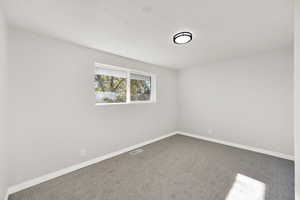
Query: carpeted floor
[[176, 168]]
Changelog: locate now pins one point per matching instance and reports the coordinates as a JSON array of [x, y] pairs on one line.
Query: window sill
[[126, 103]]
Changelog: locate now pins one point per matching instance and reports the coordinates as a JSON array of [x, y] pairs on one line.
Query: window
[[116, 85], [140, 87], [110, 86]]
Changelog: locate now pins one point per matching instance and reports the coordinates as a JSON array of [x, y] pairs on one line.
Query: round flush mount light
[[182, 37]]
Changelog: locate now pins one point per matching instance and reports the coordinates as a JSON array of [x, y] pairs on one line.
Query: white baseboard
[[240, 146], [41, 179]]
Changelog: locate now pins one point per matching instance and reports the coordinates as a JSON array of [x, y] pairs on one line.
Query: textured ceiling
[[143, 30]]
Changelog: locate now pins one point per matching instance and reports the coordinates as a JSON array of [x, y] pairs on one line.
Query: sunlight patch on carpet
[[246, 188]]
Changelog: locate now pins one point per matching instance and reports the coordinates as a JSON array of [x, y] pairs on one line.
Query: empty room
[[150, 100]]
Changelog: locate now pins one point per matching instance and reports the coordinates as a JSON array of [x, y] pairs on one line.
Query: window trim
[[129, 71]]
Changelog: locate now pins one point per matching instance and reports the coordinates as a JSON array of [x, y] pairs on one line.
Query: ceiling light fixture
[[182, 37]]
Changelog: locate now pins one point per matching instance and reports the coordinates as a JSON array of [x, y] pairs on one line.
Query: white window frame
[[129, 71]]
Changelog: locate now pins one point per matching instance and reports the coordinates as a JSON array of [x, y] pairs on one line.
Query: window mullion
[[128, 88]]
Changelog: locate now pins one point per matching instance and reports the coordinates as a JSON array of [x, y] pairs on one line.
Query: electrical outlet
[[210, 131], [82, 152]]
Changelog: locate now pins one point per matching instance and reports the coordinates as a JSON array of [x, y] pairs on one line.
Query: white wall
[[3, 76], [53, 112], [297, 98], [247, 101]]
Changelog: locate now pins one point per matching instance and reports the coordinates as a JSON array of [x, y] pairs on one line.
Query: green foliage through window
[[118, 85], [140, 90], [110, 89]]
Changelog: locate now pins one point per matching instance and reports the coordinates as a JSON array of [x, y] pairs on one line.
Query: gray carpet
[[176, 168]]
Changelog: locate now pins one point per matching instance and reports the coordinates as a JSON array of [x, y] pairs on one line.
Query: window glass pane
[[140, 87], [110, 89]]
